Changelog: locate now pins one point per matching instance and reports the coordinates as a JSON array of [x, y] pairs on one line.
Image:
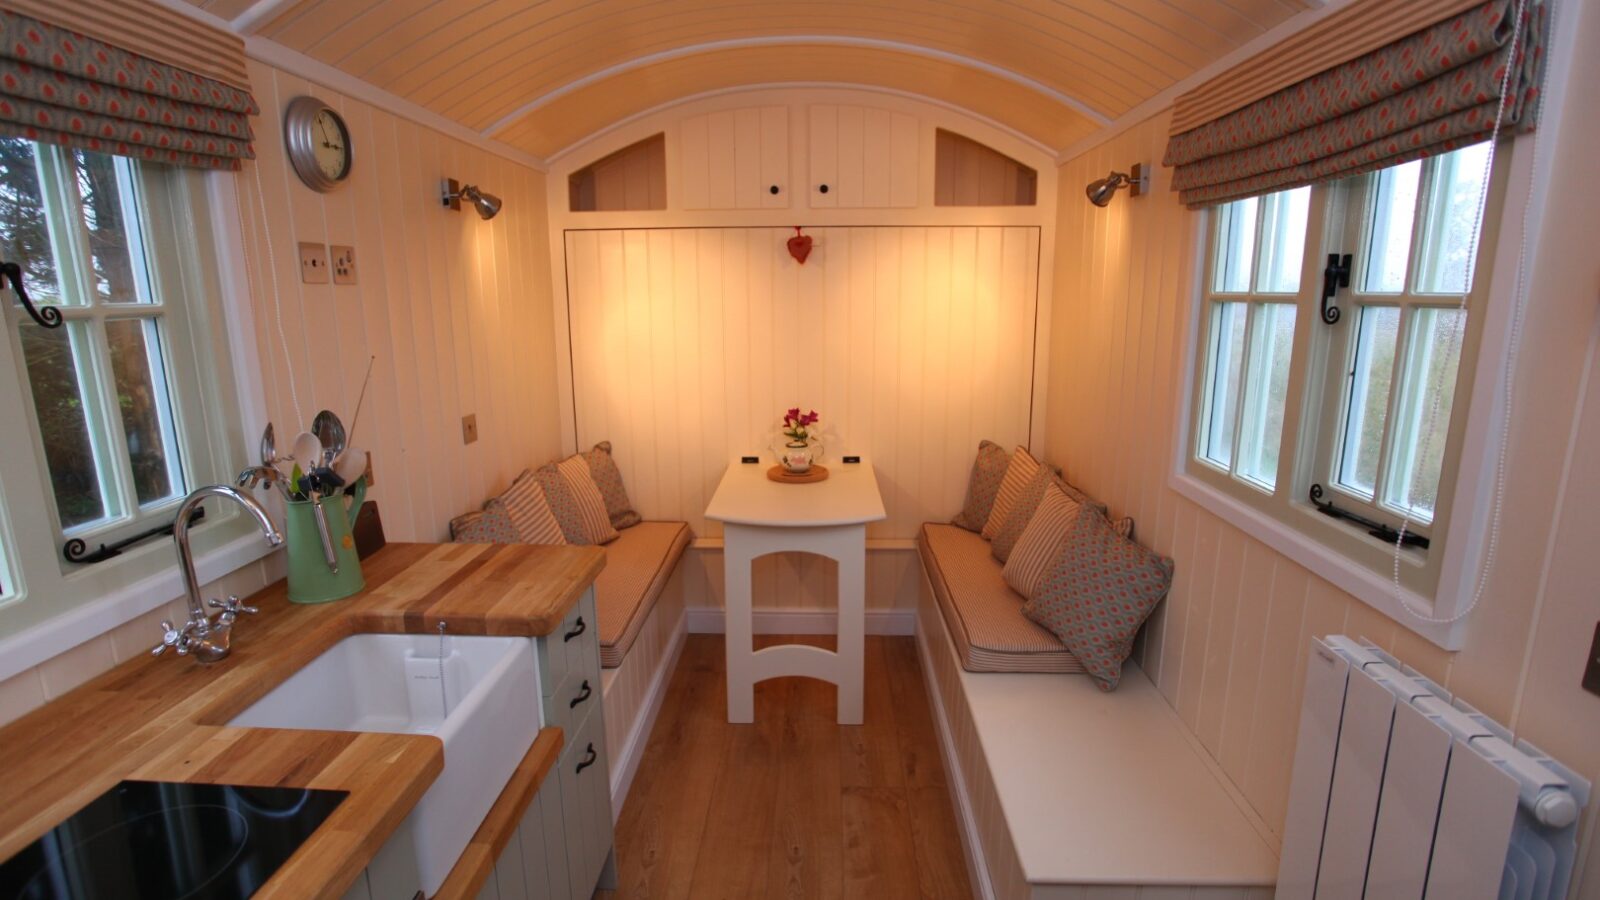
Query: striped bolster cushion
[[529, 510], [587, 499], [1021, 470], [1040, 540]]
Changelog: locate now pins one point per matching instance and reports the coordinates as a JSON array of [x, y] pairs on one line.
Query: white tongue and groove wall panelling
[[456, 310]]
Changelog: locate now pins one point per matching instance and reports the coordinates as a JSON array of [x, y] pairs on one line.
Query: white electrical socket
[[344, 264], [313, 263]]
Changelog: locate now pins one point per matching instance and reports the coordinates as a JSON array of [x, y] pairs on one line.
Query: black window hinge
[[1377, 529], [46, 316], [1334, 277]]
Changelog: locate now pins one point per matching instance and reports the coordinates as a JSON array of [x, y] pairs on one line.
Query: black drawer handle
[[587, 693], [578, 629], [588, 760]]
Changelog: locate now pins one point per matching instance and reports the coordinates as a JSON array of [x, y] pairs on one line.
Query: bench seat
[[638, 564], [1065, 791], [982, 612]]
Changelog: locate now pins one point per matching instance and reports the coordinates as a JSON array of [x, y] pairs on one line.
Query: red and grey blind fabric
[[1431, 92], [60, 86]]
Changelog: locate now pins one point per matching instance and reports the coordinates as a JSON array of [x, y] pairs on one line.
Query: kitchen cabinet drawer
[[586, 803], [570, 644], [735, 159]]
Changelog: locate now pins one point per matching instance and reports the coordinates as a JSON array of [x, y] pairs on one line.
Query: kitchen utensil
[[330, 432], [306, 451], [355, 418], [328, 554], [352, 465], [269, 447]]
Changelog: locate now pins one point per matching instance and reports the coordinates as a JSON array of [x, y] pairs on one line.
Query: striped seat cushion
[[984, 615], [638, 564]]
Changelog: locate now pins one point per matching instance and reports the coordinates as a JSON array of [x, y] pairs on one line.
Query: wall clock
[[318, 143]]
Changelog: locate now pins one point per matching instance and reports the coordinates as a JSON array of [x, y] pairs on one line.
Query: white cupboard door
[[862, 158], [734, 159]]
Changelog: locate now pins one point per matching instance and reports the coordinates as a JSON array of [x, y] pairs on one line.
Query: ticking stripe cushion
[[585, 496], [1040, 540], [608, 478], [528, 509], [987, 471], [1096, 593], [1019, 471]]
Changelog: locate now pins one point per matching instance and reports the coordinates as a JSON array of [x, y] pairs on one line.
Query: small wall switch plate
[[344, 264], [469, 428], [852, 459], [1591, 669], [749, 460], [313, 263]]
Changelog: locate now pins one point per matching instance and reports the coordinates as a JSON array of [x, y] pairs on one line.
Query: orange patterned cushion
[[987, 471], [608, 478], [1096, 593]]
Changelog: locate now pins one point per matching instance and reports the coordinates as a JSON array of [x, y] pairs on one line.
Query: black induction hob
[[151, 840]]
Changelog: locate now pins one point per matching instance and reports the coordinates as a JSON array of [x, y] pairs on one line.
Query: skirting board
[[709, 620], [632, 751], [977, 866]]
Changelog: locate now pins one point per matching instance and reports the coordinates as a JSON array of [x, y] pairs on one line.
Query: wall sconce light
[[487, 204], [1101, 190]]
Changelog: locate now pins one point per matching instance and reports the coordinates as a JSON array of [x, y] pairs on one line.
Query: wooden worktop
[[163, 718]]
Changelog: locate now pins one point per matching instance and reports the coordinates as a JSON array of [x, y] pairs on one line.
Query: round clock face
[[331, 144], [318, 143]]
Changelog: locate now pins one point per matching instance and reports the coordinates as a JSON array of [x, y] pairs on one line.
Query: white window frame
[[196, 251], [1321, 544]]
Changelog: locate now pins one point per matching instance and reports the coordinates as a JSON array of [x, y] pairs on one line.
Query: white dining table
[[828, 518]]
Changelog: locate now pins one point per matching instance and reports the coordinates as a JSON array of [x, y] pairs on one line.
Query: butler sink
[[479, 697]]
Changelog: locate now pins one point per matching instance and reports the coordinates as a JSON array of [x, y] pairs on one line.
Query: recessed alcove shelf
[[967, 173]]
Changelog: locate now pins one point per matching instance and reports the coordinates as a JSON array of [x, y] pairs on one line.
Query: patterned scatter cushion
[[490, 525], [1040, 540], [1019, 471], [1096, 593], [525, 503], [608, 478], [987, 471], [585, 496]]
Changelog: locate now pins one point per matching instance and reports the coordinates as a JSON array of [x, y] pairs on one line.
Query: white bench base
[[1066, 792], [633, 692]]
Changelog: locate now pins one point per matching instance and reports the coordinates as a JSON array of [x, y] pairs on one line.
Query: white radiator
[[1400, 793]]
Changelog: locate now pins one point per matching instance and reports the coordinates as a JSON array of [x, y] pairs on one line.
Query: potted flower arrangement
[[801, 446]]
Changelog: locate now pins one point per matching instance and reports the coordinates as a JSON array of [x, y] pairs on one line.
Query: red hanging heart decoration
[[800, 246]]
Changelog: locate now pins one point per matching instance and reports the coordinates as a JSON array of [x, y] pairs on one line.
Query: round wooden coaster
[[784, 476]]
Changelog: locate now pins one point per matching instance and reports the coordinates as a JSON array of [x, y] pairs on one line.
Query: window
[[122, 404], [1362, 411]]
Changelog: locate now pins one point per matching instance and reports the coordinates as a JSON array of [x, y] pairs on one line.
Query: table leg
[[850, 550], [738, 556]]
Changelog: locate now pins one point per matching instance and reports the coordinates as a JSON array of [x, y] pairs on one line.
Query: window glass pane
[[1389, 232], [1236, 245], [63, 421], [111, 242], [145, 408], [1266, 391], [24, 236], [1222, 387], [1448, 248], [1283, 241], [1368, 403], [1433, 354]]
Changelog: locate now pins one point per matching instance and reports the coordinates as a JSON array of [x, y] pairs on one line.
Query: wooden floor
[[794, 805]]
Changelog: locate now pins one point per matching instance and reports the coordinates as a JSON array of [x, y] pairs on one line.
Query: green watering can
[[310, 578]]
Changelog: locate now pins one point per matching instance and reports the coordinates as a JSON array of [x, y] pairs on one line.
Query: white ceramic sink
[[486, 711]]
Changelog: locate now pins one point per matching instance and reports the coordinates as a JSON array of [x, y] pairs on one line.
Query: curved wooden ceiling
[[489, 64]]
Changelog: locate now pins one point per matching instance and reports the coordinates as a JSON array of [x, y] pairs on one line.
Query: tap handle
[[174, 638], [233, 605]]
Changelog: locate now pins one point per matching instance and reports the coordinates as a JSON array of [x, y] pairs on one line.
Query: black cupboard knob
[[823, 188], [773, 189]]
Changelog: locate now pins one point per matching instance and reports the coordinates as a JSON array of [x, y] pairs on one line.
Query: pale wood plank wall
[[456, 309], [1228, 647]]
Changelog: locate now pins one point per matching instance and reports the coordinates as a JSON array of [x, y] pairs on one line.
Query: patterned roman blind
[[62, 86], [1425, 94]]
